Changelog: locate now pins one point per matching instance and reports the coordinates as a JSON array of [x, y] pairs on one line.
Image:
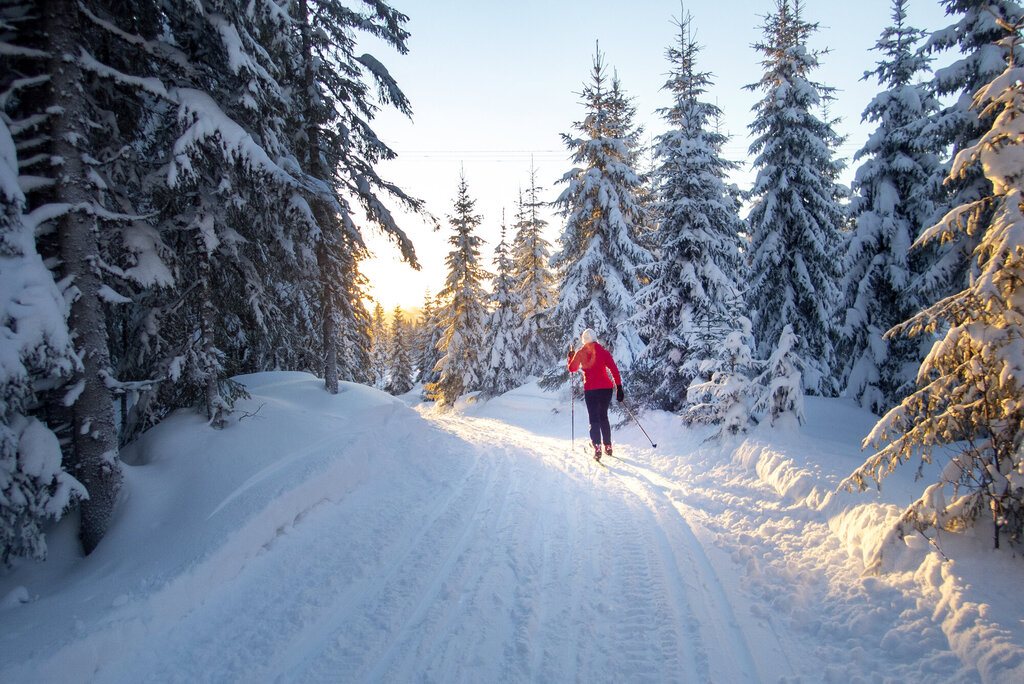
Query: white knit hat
[[589, 336]]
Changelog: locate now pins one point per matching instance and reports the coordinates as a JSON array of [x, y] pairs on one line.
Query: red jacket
[[595, 362]]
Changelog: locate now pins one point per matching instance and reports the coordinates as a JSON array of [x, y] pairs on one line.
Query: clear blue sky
[[494, 84]]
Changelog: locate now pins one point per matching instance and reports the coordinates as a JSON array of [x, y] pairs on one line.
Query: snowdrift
[[976, 588]]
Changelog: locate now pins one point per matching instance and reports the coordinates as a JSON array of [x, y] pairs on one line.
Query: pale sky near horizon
[[493, 86]]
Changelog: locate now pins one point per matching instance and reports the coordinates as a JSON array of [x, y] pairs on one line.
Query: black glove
[[572, 353], [619, 394]]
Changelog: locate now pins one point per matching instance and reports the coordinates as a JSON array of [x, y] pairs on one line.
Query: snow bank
[[981, 623], [862, 530], [786, 477], [975, 634]]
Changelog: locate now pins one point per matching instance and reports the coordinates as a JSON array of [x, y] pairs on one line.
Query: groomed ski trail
[[653, 607], [519, 562]]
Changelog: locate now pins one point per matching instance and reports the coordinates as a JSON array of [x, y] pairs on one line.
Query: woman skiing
[[596, 362]]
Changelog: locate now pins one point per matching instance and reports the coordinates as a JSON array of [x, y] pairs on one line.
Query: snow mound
[[972, 587]]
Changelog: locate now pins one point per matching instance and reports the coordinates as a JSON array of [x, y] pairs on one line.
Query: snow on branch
[[160, 49], [207, 123], [151, 85], [387, 87]]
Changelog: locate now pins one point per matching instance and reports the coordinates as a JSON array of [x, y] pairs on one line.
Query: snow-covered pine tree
[[727, 398], [189, 234], [68, 140], [122, 66], [228, 205], [400, 357], [599, 249], [892, 202], [203, 182], [533, 281], [503, 345], [692, 284], [379, 352], [428, 353], [974, 34], [781, 396], [329, 213], [796, 216], [35, 347], [338, 150], [464, 312], [108, 127], [971, 384]]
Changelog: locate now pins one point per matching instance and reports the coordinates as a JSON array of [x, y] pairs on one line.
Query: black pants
[[598, 401]]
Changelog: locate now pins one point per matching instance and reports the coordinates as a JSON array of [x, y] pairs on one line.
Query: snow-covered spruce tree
[[428, 353], [971, 384], [67, 139], [214, 199], [35, 348], [727, 398], [229, 206], [464, 311], [974, 34], [248, 213], [400, 357], [123, 67], [796, 216], [781, 398], [338, 150], [892, 202], [380, 341], [503, 345], [685, 305], [533, 282], [599, 249], [109, 126]]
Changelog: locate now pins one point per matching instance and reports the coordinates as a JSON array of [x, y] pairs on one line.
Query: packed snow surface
[[364, 538]]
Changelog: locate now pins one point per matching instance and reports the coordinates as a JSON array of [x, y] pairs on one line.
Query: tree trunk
[[330, 344], [94, 448], [313, 165], [214, 401]]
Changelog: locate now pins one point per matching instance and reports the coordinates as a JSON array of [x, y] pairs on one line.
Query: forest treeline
[[185, 186]]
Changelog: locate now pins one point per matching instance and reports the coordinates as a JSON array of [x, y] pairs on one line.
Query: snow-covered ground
[[365, 538]]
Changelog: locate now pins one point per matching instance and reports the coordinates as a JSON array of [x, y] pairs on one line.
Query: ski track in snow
[[529, 563], [525, 561]]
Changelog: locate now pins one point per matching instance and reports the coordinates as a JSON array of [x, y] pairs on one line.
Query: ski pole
[[653, 445], [572, 407], [572, 411]]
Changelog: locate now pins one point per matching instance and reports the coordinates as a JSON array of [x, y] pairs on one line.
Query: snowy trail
[[527, 563], [653, 607], [357, 540]]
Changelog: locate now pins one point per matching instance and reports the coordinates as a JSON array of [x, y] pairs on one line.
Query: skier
[[596, 362]]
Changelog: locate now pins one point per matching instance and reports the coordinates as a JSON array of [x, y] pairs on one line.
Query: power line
[[485, 151]]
